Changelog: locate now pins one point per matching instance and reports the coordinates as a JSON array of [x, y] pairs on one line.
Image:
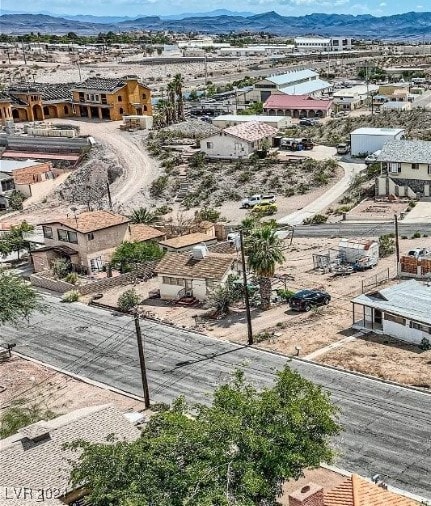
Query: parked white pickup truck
[[257, 199]]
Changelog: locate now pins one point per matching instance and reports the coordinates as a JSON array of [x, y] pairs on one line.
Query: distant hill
[[411, 25]]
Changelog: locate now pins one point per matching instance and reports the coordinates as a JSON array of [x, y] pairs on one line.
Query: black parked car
[[304, 300]]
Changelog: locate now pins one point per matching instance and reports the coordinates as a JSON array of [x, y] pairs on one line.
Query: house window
[[90, 236], [47, 232], [209, 145], [167, 280], [144, 96], [393, 318], [429, 169], [419, 326], [394, 168], [67, 236], [415, 166], [120, 98]]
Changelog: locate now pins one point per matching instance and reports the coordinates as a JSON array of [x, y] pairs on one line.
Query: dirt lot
[[384, 357], [27, 380]]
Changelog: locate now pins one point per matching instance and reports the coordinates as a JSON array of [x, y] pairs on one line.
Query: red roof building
[[296, 106]]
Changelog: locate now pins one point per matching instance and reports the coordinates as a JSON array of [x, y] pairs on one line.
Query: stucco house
[[239, 141], [405, 169], [88, 240], [297, 106], [194, 275], [401, 311], [96, 97]]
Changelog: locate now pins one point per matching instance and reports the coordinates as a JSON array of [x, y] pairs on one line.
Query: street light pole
[[246, 298]]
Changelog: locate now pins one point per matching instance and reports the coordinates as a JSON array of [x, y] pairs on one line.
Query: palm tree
[[172, 103], [178, 83], [264, 251], [142, 215]]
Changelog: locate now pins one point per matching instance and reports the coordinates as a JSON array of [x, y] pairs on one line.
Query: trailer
[[359, 254]]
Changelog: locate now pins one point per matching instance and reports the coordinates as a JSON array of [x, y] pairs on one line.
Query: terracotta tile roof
[[91, 221], [179, 265], [251, 131], [357, 491], [296, 102], [183, 241], [45, 464], [140, 232]]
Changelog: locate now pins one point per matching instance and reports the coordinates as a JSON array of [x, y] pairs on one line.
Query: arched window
[[66, 109], [144, 96]]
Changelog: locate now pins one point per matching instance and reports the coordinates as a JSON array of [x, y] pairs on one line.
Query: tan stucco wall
[[408, 173]]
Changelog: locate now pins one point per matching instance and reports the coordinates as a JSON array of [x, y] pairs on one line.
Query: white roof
[[312, 40], [377, 131], [306, 88], [244, 118], [10, 165], [411, 300], [290, 77]]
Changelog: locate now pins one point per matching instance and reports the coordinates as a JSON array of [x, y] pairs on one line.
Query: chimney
[[309, 495]]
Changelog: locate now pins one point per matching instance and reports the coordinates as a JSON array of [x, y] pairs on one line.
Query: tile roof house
[[140, 232], [353, 491], [405, 169], [183, 243], [239, 141], [96, 97], [34, 458], [192, 275], [401, 311], [92, 235], [296, 106]]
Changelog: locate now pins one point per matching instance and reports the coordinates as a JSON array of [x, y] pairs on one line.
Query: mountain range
[[410, 25]]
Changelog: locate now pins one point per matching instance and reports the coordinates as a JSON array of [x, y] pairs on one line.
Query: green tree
[[19, 414], [239, 450], [386, 245], [264, 251], [254, 108], [16, 199], [143, 215], [128, 300], [17, 299], [14, 239], [130, 254]]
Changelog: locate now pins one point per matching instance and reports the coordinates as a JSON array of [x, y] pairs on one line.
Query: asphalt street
[[352, 229], [386, 427]]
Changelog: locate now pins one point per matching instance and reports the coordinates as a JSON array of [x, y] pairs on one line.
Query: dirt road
[[139, 169]]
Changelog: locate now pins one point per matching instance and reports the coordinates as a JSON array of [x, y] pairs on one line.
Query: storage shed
[[364, 141], [363, 254]]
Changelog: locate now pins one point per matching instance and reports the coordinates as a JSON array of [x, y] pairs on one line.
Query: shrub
[[317, 219], [158, 186], [16, 199], [128, 300], [208, 214], [386, 245], [425, 344], [61, 268], [416, 235], [71, 278], [285, 294], [264, 209], [72, 296]]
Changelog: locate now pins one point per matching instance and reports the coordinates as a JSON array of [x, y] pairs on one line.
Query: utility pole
[[397, 242], [142, 362], [206, 69], [109, 195], [246, 298]]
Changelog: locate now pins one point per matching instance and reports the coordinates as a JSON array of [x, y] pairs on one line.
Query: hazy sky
[[163, 7]]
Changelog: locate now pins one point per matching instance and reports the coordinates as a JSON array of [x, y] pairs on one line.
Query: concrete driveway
[[325, 200], [421, 213]]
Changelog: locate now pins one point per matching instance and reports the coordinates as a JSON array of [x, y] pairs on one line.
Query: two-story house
[[405, 169], [87, 240], [111, 98]]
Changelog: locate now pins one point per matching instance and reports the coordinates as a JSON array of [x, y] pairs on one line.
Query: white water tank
[[199, 252]]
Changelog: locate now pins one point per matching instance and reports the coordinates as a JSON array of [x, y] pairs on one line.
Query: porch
[[367, 318]]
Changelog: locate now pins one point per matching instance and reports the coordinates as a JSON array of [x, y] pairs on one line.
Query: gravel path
[[139, 169]]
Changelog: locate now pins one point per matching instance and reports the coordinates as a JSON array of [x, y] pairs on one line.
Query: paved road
[[350, 229], [386, 428], [325, 200]]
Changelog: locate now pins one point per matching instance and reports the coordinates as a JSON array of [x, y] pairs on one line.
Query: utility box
[[365, 141]]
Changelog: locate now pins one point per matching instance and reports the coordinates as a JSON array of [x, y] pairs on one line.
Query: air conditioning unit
[[199, 252]]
